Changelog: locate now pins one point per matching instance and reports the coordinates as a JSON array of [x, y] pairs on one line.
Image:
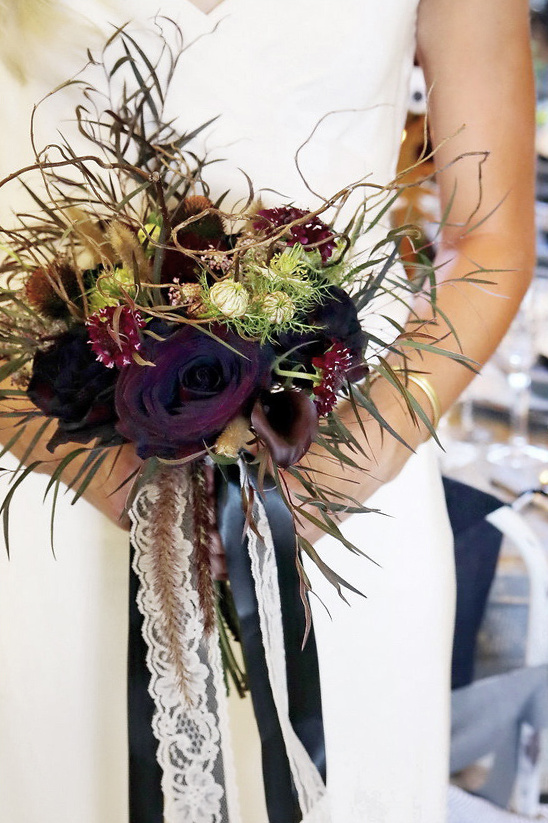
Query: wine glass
[[462, 438], [517, 461]]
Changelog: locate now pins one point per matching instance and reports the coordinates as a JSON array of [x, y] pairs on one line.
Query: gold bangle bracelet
[[427, 388]]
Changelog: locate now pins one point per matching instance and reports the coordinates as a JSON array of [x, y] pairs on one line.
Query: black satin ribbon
[[146, 803], [303, 683], [305, 712]]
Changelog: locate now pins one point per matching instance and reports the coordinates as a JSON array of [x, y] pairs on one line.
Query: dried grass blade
[[92, 471], [335, 579], [12, 441], [56, 476], [34, 442]]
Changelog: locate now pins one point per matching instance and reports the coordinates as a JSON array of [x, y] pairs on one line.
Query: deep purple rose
[[197, 385], [69, 383]]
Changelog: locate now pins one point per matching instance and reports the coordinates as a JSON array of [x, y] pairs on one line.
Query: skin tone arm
[[475, 55]]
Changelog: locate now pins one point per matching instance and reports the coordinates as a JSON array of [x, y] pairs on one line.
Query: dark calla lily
[[287, 422]]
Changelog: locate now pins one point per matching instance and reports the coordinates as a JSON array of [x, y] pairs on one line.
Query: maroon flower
[[114, 335], [335, 320], [197, 385], [311, 233], [200, 235], [334, 367]]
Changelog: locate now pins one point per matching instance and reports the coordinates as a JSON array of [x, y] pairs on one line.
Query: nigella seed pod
[[230, 298], [278, 307], [190, 297]]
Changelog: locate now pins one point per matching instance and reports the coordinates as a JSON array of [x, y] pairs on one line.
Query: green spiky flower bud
[[150, 234], [110, 288]]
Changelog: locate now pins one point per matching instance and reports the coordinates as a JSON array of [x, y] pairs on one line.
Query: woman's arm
[[107, 491], [476, 59]]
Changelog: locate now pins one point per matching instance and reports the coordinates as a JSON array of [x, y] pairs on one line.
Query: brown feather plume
[[203, 511], [165, 535]]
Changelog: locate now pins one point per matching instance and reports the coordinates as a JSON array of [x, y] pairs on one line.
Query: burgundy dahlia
[[312, 233], [114, 335]]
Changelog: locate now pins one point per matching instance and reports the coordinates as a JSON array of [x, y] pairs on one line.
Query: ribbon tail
[[304, 702], [146, 803]]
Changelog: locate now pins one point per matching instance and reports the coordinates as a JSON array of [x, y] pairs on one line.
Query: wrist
[[398, 410], [419, 380]]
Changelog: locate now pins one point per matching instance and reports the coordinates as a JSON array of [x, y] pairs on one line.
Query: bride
[[327, 80]]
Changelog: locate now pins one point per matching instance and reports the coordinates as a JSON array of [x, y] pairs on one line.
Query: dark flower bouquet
[[133, 308]]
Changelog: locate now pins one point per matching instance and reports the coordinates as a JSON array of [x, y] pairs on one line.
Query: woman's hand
[[382, 455], [110, 486]]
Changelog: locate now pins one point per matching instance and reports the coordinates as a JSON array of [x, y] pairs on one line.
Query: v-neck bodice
[[321, 82], [315, 80]]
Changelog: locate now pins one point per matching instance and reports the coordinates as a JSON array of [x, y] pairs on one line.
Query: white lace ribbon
[[191, 728], [310, 787], [194, 748]]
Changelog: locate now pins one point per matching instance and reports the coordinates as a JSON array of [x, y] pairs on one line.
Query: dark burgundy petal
[[196, 387], [311, 233], [204, 233], [287, 422], [70, 384]]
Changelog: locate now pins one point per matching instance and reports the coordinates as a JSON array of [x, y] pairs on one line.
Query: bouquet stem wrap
[[189, 715]]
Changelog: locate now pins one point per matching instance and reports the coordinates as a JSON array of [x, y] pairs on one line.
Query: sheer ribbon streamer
[[189, 719]]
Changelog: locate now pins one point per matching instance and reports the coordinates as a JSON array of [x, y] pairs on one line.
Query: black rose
[[70, 384]]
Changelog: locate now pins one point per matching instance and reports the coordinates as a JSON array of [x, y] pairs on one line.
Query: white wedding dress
[[332, 76]]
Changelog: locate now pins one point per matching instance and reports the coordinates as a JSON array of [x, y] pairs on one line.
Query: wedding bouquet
[[135, 309]]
